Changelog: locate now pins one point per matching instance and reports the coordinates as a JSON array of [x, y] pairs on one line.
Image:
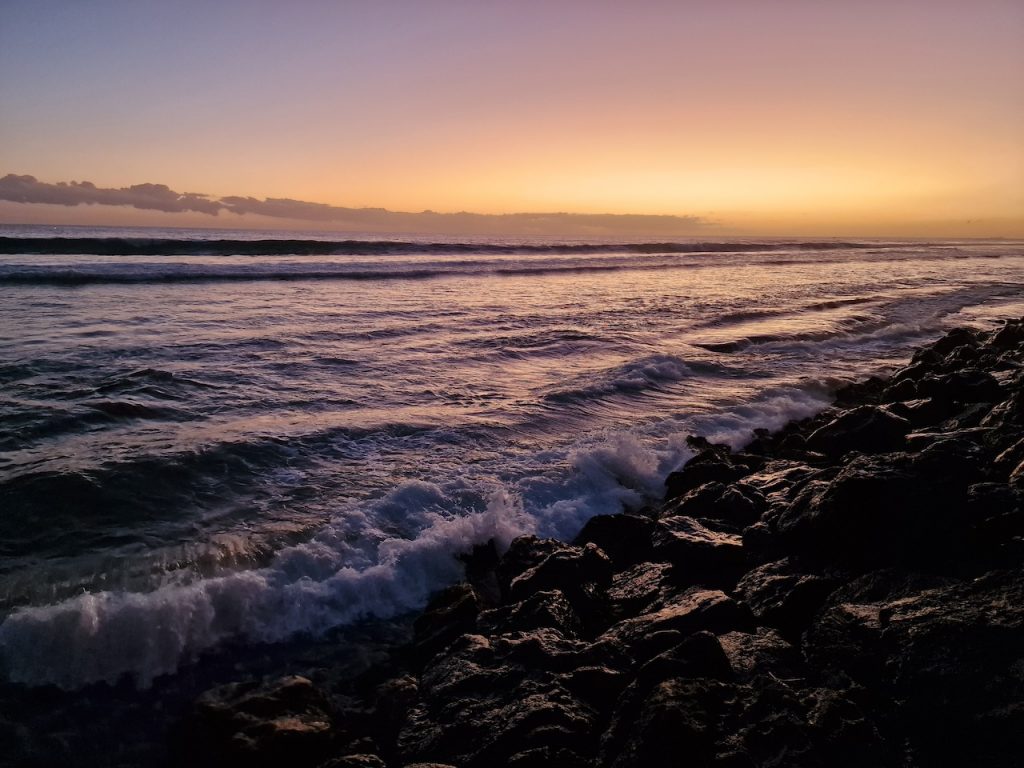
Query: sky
[[776, 117]]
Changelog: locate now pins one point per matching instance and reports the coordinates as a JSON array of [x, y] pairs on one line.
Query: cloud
[[149, 197], [159, 197]]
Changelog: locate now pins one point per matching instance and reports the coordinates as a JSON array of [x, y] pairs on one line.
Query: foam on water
[[244, 461], [353, 569]]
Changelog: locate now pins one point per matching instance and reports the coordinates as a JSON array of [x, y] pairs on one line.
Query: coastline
[[846, 591]]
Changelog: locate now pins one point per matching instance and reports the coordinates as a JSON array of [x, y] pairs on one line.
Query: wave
[[343, 575], [126, 246], [650, 373], [745, 316]]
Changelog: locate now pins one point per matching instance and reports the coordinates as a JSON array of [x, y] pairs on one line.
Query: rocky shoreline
[[848, 591]]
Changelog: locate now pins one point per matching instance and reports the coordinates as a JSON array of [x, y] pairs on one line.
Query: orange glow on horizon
[[757, 117]]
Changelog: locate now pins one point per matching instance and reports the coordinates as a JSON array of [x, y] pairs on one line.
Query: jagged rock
[[711, 466], [782, 597], [698, 554], [253, 724], [922, 412], [693, 610], [737, 505], [947, 651], [451, 613], [524, 553], [625, 538], [598, 686], [639, 589], [355, 761], [565, 569], [882, 509], [868, 429], [1009, 336], [541, 609], [953, 340], [677, 718], [963, 386]]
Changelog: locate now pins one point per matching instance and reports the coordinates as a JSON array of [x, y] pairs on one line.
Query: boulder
[[625, 538], [737, 505], [450, 614], [1010, 336], [781, 596], [698, 554], [968, 385], [258, 724], [693, 610], [868, 429], [710, 466]]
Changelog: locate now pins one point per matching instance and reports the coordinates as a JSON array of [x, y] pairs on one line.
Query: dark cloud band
[[159, 197]]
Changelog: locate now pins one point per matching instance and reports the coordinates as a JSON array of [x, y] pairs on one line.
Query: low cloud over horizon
[[159, 197]]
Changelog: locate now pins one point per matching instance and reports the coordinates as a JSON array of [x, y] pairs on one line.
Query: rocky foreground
[[846, 592]]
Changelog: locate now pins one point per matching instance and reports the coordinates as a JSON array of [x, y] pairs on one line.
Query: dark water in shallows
[[206, 439]]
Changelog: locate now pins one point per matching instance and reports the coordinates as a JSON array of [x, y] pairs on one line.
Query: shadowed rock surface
[[846, 592]]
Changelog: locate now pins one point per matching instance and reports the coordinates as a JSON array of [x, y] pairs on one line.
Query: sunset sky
[[903, 117]]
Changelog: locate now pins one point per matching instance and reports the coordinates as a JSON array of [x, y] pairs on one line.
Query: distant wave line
[[126, 246]]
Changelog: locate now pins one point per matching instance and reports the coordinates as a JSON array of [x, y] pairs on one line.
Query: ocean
[[218, 439]]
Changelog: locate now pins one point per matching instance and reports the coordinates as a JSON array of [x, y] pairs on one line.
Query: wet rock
[[868, 429], [711, 466], [492, 725], [1016, 478], [693, 610], [656, 727], [252, 724], [698, 554], [639, 589], [904, 389], [524, 553], [963, 386], [581, 574], [737, 505], [953, 340], [1009, 336], [541, 609], [355, 761], [947, 652], [922, 412], [1009, 458], [598, 686], [780, 596], [450, 614], [565, 569], [625, 538], [883, 509]]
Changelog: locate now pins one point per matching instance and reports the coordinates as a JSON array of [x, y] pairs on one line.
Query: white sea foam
[[354, 569], [102, 636]]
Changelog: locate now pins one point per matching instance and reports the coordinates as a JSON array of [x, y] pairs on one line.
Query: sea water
[[222, 437]]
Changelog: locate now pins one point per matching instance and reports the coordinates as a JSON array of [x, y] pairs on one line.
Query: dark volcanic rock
[[693, 610], [713, 465], [847, 592], [698, 554], [248, 724], [884, 509], [450, 614], [946, 657], [737, 505], [625, 538], [869, 429], [782, 597]]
